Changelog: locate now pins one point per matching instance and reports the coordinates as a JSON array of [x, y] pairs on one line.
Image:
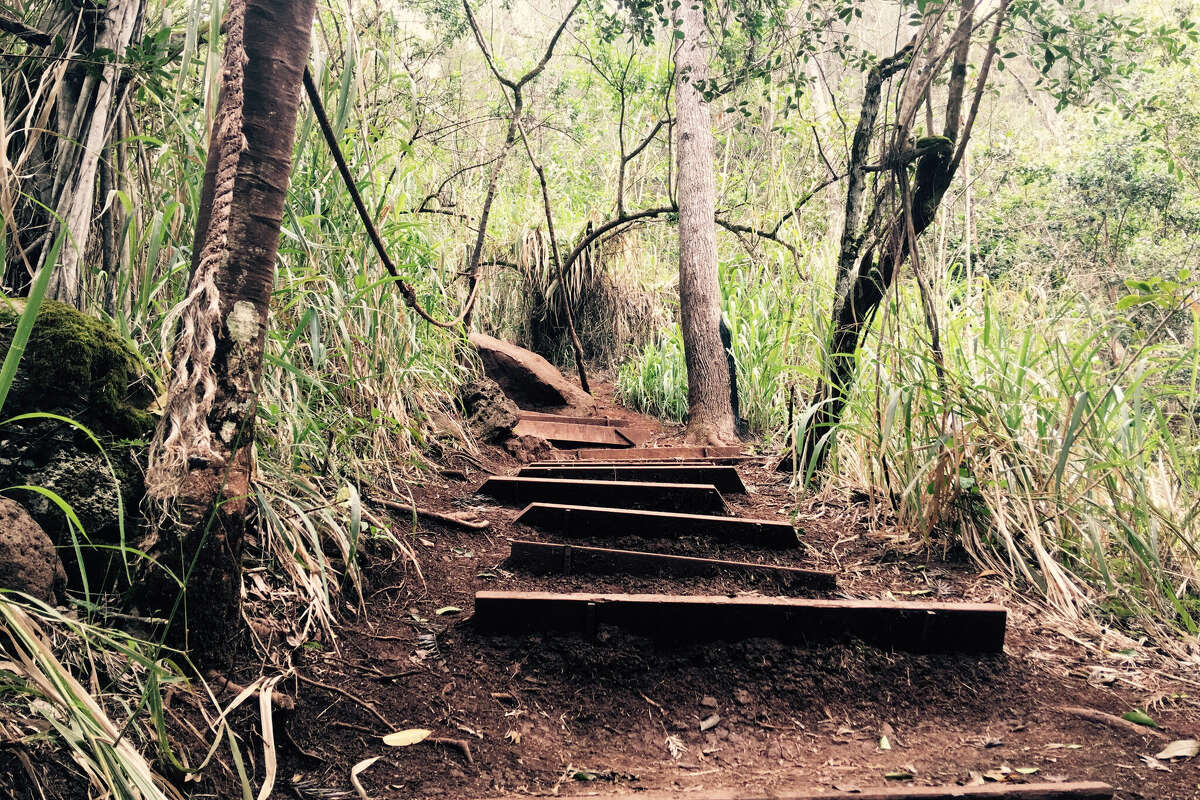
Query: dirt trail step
[[545, 558], [919, 627], [579, 520], [651, 453], [1003, 791], [726, 479], [627, 494]]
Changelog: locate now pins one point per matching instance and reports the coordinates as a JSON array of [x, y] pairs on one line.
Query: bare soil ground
[[615, 714]]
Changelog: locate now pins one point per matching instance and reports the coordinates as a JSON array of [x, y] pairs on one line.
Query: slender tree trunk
[[710, 415], [201, 460], [62, 109], [99, 106]]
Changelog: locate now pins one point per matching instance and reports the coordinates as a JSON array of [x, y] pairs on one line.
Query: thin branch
[[980, 85], [406, 289], [10, 23]]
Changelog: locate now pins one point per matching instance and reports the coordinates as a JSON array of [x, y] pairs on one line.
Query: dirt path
[[616, 713]]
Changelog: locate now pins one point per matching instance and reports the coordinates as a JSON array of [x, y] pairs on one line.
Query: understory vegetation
[[1051, 435]]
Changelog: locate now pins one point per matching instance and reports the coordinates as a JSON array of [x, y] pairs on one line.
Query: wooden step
[[545, 558], [916, 627], [537, 416], [727, 461], [623, 494], [573, 434], [726, 479], [577, 520], [652, 453], [1002, 791]]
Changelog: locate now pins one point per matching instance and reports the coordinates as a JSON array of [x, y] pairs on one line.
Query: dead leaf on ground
[[1180, 748], [407, 737], [1154, 763], [359, 769]]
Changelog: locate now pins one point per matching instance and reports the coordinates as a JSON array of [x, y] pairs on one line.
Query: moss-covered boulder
[[80, 367]]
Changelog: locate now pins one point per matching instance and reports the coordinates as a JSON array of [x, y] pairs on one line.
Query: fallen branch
[[387, 725], [450, 519], [1111, 720], [279, 699]]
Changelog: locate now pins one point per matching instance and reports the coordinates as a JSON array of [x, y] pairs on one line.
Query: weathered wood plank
[[652, 453], [726, 479], [911, 626], [651, 462], [579, 520], [546, 558], [623, 494], [1002, 791], [537, 416]]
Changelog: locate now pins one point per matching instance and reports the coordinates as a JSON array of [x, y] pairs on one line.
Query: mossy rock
[[80, 367]]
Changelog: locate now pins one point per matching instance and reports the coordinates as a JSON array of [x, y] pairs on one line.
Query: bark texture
[[201, 460], [710, 415]]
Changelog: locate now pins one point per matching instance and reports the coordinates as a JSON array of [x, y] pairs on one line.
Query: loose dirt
[[615, 714]]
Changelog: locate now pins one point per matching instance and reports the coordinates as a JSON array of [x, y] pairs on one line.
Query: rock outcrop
[[531, 381], [490, 415], [28, 560], [81, 368]]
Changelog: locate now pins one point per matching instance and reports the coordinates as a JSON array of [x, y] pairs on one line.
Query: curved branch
[[406, 288], [734, 227], [616, 222]]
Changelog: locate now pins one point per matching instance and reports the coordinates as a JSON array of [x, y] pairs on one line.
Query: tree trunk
[[855, 308], [63, 131], [201, 460], [710, 415]]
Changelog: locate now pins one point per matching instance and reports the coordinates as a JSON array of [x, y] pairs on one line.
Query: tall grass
[[1049, 453]]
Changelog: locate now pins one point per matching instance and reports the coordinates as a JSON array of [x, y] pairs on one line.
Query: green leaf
[[1139, 717], [37, 292]]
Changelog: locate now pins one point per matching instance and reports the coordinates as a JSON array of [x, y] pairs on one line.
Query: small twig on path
[[357, 700], [1111, 720], [451, 519], [279, 699]]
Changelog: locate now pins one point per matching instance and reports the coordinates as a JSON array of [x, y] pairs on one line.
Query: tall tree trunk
[[710, 415], [201, 459], [76, 203], [62, 111]]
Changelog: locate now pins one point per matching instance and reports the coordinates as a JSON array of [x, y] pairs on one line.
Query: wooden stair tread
[[626, 494], [724, 478], [655, 453], [915, 626], [547, 558], [583, 520], [1004, 791], [573, 433]]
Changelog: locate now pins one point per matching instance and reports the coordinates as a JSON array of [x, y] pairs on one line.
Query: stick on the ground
[[1111, 720], [450, 519], [356, 700], [461, 744]]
